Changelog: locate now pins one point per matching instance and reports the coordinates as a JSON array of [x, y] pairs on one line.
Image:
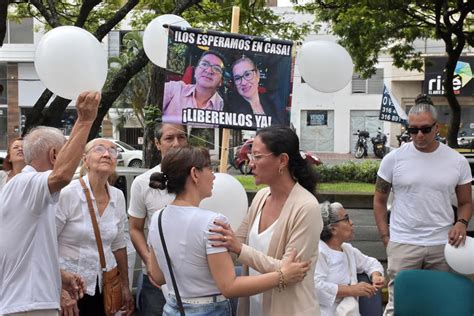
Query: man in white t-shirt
[[30, 279], [423, 175], [144, 202]]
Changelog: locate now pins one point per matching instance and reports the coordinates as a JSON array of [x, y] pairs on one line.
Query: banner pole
[[234, 28]]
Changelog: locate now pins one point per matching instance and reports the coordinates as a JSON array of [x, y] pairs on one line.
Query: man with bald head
[[29, 271]]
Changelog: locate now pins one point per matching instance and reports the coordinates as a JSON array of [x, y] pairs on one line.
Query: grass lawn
[[249, 185]]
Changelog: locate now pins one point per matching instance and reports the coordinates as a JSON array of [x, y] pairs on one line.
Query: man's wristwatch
[[462, 220]]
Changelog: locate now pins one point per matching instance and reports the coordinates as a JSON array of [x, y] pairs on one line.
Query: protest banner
[[390, 110], [226, 80]]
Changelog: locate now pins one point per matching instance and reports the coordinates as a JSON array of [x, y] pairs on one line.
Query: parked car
[[131, 157], [3, 154], [241, 159]]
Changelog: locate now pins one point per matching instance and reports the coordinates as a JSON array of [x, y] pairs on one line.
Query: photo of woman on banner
[[203, 94], [248, 96]]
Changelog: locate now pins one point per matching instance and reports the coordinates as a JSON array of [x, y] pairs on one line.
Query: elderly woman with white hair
[[78, 251], [339, 263]]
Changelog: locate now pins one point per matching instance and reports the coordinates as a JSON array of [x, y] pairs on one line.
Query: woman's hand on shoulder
[[293, 270], [225, 237]]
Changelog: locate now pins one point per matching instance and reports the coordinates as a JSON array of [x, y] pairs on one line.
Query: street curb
[[348, 200]]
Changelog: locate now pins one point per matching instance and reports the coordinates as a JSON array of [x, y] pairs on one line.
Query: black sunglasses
[[424, 130], [345, 218]]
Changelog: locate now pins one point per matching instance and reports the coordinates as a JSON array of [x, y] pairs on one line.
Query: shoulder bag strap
[[100, 248], [168, 262]]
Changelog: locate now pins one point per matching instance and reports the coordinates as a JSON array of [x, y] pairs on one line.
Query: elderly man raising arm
[[29, 271]]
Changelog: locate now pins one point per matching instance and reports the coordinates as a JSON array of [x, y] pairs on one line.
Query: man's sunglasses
[[424, 129]]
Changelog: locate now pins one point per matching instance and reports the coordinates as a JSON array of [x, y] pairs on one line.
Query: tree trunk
[[455, 121], [152, 156]]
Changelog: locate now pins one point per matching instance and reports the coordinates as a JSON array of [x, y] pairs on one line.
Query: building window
[[373, 85], [3, 83], [20, 32]]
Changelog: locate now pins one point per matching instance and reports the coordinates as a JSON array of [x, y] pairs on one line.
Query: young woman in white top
[[339, 263], [76, 240], [204, 274], [14, 162]]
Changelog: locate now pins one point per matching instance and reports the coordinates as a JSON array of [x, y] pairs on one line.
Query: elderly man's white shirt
[[76, 240], [29, 269], [145, 201]]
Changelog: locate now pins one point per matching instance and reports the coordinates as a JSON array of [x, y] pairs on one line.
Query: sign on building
[[435, 76]]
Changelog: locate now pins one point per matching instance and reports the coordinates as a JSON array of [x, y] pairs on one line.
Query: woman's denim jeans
[[213, 309]]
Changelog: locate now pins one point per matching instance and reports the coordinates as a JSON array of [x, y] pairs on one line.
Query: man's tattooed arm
[[382, 186]]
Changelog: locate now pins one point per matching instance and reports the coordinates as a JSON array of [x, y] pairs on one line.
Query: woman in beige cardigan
[[282, 217]]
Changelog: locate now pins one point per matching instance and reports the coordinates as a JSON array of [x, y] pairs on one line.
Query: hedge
[[365, 172]]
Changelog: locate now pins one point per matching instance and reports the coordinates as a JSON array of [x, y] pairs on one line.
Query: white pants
[[41, 312]]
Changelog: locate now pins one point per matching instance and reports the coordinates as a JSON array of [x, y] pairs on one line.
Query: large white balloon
[[461, 259], [325, 66], [69, 60], [155, 37], [229, 198]]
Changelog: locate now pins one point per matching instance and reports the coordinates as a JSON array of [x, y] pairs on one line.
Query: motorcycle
[[403, 138], [361, 145], [379, 143]]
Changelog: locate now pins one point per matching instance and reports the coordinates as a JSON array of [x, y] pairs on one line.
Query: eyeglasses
[[257, 157], [345, 218], [424, 129], [101, 149], [215, 68], [247, 75]]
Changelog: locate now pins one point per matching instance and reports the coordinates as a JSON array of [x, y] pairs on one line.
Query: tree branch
[[116, 86], [105, 28], [3, 20], [86, 8], [45, 13], [54, 14]]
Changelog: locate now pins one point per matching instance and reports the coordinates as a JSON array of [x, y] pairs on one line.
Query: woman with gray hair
[[339, 263]]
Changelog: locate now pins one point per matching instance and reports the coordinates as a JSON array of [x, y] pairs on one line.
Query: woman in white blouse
[[76, 240], [339, 263], [14, 162]]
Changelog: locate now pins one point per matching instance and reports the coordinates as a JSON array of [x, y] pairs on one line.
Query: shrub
[[365, 172]]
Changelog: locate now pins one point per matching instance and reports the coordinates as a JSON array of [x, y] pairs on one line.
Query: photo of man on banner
[[226, 80]]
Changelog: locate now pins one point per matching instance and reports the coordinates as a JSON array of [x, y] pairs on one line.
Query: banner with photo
[[216, 79]]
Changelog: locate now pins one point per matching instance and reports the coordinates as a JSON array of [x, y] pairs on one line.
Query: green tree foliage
[[100, 17], [368, 28]]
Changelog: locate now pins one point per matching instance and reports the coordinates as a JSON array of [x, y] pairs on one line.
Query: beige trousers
[[410, 257]]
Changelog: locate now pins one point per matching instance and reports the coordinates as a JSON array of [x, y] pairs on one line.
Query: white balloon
[[155, 37], [461, 259], [228, 198], [69, 60], [325, 66]]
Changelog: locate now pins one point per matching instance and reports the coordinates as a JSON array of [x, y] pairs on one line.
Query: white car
[[3, 154], [131, 157]]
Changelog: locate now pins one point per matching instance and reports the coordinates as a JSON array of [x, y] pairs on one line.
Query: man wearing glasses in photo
[[178, 95], [423, 175]]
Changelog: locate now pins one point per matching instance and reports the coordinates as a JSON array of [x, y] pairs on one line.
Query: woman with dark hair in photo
[[283, 216], [204, 274], [247, 100], [14, 162]]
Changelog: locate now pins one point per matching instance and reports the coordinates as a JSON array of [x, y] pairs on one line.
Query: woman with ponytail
[[283, 216]]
